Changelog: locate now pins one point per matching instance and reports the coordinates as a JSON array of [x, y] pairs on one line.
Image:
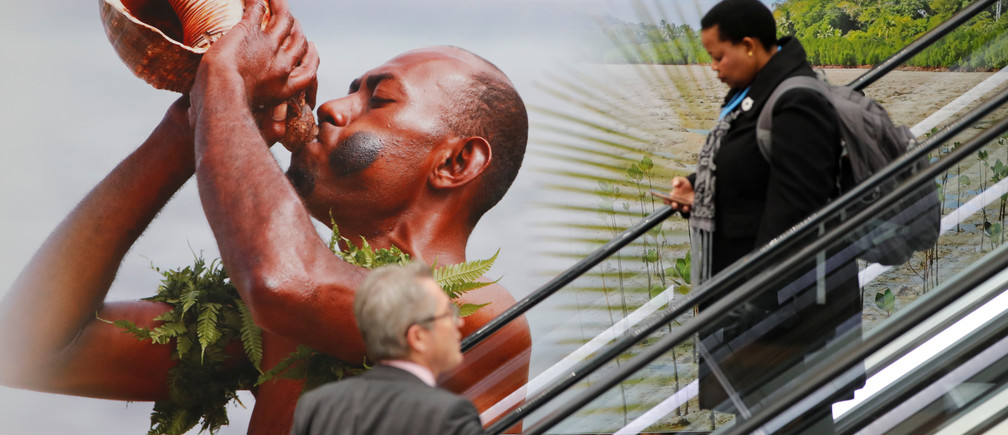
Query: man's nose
[[338, 112]]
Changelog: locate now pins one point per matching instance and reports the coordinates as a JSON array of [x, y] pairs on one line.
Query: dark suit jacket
[[755, 201], [385, 400]]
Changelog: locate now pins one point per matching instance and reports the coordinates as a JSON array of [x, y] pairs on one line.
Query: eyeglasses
[[453, 312]]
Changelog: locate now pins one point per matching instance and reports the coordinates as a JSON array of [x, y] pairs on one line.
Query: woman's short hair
[[737, 19], [387, 303]]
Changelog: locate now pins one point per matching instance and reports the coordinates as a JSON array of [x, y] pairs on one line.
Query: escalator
[[640, 374]]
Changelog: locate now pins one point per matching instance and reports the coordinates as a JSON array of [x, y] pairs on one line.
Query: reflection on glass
[[628, 128]]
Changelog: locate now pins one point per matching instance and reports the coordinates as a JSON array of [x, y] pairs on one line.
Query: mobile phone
[[664, 195]]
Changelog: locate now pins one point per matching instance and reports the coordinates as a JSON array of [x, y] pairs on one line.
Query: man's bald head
[[488, 106], [376, 145]]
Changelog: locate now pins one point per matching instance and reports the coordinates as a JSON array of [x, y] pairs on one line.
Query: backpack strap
[[764, 122]]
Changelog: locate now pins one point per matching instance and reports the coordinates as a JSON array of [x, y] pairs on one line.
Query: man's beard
[[357, 153], [302, 179]]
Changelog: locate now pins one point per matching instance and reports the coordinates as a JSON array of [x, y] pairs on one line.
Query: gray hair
[[387, 303]]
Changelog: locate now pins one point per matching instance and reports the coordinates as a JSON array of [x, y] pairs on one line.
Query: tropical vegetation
[[844, 33]]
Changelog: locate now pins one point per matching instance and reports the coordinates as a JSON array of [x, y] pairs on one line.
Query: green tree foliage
[[842, 33], [661, 43]]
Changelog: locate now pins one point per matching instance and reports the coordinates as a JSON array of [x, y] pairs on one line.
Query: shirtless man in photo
[[414, 155]]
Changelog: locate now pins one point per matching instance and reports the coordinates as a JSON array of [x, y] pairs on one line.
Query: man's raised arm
[[48, 318], [268, 244]]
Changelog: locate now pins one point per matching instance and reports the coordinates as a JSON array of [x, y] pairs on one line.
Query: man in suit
[[411, 329]]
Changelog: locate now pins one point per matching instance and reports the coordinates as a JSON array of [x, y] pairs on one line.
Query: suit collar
[[421, 372], [393, 374]]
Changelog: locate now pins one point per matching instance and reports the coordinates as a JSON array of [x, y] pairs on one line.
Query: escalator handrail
[[663, 213], [968, 347], [740, 268], [572, 273], [735, 274], [751, 287]]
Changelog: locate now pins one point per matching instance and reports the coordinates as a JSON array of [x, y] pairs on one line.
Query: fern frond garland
[[208, 312], [251, 336], [454, 277]]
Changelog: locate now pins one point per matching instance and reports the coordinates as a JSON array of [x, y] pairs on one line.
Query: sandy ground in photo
[[676, 104], [673, 106]]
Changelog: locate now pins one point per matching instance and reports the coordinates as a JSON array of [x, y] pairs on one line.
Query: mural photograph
[[185, 222]]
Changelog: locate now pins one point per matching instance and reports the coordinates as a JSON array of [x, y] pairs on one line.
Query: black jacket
[[755, 201]]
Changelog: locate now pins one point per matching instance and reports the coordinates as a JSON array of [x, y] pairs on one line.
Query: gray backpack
[[870, 141]]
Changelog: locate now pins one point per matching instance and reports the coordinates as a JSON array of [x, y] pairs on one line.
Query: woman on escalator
[[738, 200]]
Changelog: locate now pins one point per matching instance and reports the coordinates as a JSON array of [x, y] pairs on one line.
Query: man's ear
[[461, 162], [415, 340]]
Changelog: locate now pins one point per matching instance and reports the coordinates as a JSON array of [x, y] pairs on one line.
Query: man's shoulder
[[446, 411], [334, 388], [498, 300], [377, 381]]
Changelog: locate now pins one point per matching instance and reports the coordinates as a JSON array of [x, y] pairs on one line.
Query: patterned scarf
[[701, 219]]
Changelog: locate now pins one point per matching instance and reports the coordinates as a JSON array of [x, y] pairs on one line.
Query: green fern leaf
[[181, 423], [456, 289], [131, 328], [298, 357], [365, 246], [206, 325], [392, 255], [182, 345], [462, 272], [166, 317], [188, 299], [363, 256], [467, 309], [335, 237], [167, 331], [251, 336], [213, 354]]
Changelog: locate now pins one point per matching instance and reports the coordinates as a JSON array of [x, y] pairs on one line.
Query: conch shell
[[162, 42]]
